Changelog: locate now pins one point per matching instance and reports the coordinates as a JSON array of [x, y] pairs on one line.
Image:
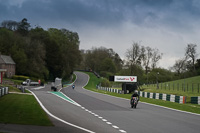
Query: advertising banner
[[125, 78]]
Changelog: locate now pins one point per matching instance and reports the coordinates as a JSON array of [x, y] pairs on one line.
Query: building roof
[[6, 59]]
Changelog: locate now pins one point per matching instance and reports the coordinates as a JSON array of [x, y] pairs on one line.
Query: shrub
[[20, 77], [105, 83]]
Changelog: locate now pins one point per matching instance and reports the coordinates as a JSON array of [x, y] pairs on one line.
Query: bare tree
[[134, 53], [156, 56], [146, 57], [180, 66], [190, 52], [10, 24]]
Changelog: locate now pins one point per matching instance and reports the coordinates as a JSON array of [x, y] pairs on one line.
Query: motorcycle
[[73, 86], [134, 102]]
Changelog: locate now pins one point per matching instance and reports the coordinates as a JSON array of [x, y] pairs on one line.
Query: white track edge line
[[59, 118]]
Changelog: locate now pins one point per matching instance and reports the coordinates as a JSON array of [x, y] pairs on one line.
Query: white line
[[116, 127], [171, 109], [71, 99], [75, 103], [109, 123], [104, 120], [38, 88], [59, 118], [96, 115], [122, 131]]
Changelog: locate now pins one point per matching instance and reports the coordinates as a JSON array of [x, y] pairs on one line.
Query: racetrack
[[105, 114], [146, 118]]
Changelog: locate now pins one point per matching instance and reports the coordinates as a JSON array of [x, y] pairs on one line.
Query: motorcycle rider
[[135, 94], [73, 86]]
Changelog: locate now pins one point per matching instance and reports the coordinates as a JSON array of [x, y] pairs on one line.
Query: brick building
[[7, 63]]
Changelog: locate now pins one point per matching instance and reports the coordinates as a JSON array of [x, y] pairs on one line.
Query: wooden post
[[1, 80]]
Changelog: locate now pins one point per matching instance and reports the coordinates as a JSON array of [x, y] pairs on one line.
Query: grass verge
[[22, 109], [184, 107]]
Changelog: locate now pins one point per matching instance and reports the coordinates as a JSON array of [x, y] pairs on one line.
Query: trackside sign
[[125, 78]]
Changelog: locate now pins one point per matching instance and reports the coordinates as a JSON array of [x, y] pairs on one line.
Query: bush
[[106, 74], [20, 77], [105, 83]]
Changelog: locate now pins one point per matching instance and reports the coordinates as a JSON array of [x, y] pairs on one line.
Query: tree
[[156, 56], [95, 56], [133, 54], [179, 66], [10, 24], [190, 53], [23, 27], [7, 40], [108, 65], [146, 57], [39, 53]]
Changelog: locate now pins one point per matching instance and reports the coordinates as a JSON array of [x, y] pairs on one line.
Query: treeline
[[47, 54], [101, 60], [39, 53], [141, 61]]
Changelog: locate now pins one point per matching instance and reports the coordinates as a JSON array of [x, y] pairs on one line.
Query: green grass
[[22, 109], [92, 82], [184, 107], [184, 87]]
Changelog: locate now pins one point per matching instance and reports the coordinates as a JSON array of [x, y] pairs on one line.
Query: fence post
[[192, 87], [178, 86], [182, 86]]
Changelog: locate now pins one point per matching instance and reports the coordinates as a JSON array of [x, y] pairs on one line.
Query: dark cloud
[[103, 12], [158, 23]]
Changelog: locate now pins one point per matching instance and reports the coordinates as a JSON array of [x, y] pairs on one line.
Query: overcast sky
[[168, 25]]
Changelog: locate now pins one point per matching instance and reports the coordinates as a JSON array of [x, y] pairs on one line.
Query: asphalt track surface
[[105, 114]]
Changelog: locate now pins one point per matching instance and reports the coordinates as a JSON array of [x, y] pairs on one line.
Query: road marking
[[59, 118], [64, 97], [115, 126], [108, 123], [38, 88], [122, 131], [104, 120]]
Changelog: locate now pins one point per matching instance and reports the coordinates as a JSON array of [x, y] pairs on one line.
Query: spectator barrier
[[161, 96], [166, 97], [3, 91], [195, 100]]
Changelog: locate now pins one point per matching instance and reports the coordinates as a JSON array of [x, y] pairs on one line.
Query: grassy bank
[[184, 87], [184, 107], [22, 109]]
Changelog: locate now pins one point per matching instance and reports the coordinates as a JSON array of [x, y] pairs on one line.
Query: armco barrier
[[166, 97], [3, 91], [195, 100]]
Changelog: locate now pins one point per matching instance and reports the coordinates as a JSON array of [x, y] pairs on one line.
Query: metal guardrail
[[195, 100], [3, 91]]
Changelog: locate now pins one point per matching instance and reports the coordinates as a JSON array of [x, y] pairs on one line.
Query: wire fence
[[185, 87]]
